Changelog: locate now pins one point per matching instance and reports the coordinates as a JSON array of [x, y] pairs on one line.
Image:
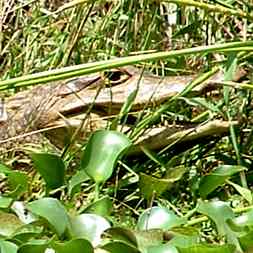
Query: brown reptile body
[[60, 105]]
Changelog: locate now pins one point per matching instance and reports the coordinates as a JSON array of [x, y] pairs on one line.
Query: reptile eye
[[115, 77]]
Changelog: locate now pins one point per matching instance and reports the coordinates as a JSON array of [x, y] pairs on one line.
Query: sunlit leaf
[[52, 211], [88, 226], [244, 220], [220, 213], [158, 217], [102, 152], [8, 247], [5, 202]]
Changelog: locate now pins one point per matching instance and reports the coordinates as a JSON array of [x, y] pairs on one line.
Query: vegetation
[[92, 196]]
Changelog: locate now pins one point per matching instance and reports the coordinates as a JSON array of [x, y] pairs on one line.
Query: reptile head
[[106, 92]]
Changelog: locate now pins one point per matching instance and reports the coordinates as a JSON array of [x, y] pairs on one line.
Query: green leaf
[[8, 247], [219, 212], [102, 152], [27, 232], [76, 180], [158, 217], [51, 167], [143, 240], [151, 186], [125, 235], [52, 211], [184, 237], [76, 246], [116, 247], [5, 202], [217, 178], [208, 248], [163, 248], [88, 226], [4, 169], [18, 183], [246, 242], [34, 246], [101, 207]]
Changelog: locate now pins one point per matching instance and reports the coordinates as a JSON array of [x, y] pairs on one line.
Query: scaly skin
[[59, 105]]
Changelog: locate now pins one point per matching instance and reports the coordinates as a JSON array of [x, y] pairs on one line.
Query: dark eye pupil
[[113, 75]]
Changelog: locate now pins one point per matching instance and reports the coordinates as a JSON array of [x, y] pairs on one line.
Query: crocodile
[[58, 107]]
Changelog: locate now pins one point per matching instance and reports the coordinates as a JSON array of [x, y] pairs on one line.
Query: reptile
[[56, 108]]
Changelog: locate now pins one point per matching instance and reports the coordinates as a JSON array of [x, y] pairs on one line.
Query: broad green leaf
[[88, 226], [51, 167], [18, 183], [116, 247], [143, 240], [158, 217], [246, 242], [219, 212], [151, 186], [101, 207], [76, 246], [8, 247], [76, 181], [27, 232], [217, 178], [208, 248], [163, 248], [4, 169], [34, 246], [53, 212], [124, 235], [102, 152], [5, 202], [184, 237]]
